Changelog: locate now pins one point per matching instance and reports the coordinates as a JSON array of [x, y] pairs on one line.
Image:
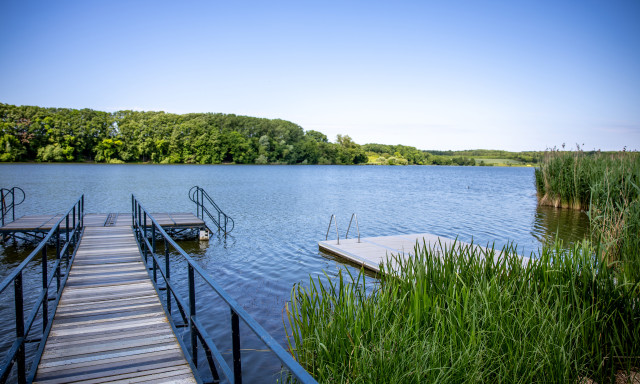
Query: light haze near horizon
[[435, 75]]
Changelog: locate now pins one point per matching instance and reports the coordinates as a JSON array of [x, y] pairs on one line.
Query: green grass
[[607, 186], [449, 316], [499, 162], [464, 314]]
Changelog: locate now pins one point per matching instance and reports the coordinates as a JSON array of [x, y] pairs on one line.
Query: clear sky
[[514, 75]]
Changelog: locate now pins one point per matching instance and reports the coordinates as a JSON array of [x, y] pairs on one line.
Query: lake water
[[281, 212]]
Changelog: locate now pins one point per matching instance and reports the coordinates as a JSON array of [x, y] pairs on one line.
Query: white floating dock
[[371, 251]]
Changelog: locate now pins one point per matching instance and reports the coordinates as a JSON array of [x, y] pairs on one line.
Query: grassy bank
[[567, 315], [562, 317]]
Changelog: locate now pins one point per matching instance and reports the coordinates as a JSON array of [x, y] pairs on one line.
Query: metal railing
[[146, 229], [8, 196], [65, 235], [199, 196], [353, 215], [334, 220]]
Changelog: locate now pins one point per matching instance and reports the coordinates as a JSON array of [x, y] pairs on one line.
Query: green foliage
[[466, 314], [608, 186], [402, 154], [58, 134]]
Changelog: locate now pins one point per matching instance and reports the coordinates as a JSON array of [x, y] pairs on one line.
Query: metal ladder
[[199, 197], [8, 196], [333, 219]]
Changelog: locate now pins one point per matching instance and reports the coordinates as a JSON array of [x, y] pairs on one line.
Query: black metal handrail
[[8, 197], [199, 196], [71, 226], [146, 229]]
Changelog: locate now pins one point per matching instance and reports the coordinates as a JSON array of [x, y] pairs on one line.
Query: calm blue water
[[281, 212]]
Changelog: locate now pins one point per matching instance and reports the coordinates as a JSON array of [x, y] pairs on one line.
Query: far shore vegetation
[[568, 314], [37, 134]]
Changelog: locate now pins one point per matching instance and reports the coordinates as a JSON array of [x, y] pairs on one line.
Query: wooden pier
[[369, 252], [109, 325], [43, 223]]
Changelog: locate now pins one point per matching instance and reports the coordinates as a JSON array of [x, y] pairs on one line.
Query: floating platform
[[44, 223], [369, 252], [110, 325]]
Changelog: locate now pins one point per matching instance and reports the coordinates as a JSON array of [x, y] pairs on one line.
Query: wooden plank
[[169, 356], [119, 372], [130, 353], [110, 325], [98, 220], [70, 349], [90, 338]]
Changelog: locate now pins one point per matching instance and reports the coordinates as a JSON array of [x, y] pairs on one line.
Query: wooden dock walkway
[[110, 325], [371, 251], [44, 223]]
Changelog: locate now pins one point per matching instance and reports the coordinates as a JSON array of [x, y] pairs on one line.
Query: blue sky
[[514, 75]]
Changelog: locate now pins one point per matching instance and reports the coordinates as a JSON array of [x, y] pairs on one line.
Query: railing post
[[167, 271], [74, 216], [82, 214], [153, 252], [139, 219], [20, 356], [192, 314], [66, 253], [2, 204], [45, 302], [201, 203], [58, 258], [146, 261], [13, 203], [235, 334]]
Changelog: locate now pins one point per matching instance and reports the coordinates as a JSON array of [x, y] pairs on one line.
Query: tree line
[[29, 133]]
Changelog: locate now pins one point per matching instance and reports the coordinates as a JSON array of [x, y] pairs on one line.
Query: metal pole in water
[[235, 334], [192, 314], [168, 273], [58, 258], [20, 328], [45, 302]]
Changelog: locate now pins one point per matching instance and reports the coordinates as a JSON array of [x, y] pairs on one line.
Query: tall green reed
[[606, 185], [468, 314]]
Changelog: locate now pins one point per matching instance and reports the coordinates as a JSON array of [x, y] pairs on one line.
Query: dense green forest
[[29, 133]]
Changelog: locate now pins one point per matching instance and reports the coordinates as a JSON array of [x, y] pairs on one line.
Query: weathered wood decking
[[44, 223], [371, 251], [110, 325]]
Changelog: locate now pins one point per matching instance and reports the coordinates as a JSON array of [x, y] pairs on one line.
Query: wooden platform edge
[[326, 247]]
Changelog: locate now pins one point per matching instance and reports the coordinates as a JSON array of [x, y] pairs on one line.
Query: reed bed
[[569, 179], [469, 314], [607, 186]]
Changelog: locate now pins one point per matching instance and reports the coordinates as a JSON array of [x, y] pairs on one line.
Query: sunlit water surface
[[281, 212]]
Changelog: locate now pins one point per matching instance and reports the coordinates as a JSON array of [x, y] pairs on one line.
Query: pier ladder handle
[[349, 227], [335, 220]]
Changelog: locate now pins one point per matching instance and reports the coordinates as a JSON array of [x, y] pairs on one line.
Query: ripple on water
[[281, 212]]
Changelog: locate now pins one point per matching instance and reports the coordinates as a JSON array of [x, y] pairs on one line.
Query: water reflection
[[281, 213], [550, 223]]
